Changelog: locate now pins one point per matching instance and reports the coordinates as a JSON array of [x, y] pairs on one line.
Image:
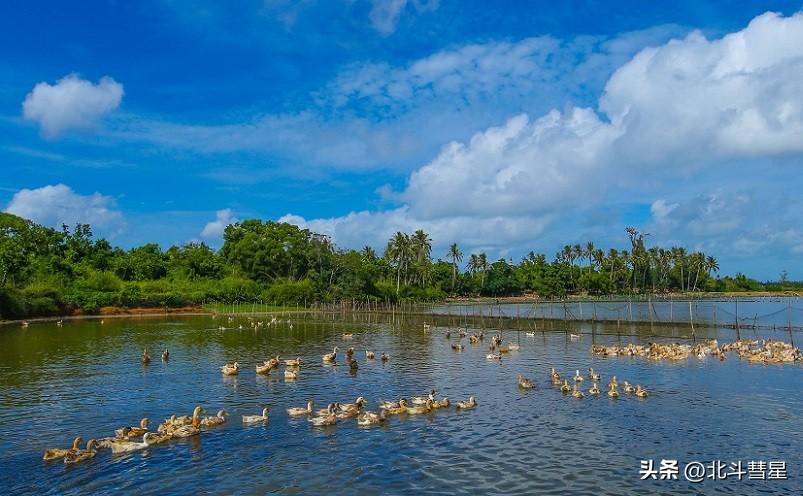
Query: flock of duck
[[124, 439], [754, 351]]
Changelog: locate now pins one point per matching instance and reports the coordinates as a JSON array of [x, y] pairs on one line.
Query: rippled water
[[85, 379]]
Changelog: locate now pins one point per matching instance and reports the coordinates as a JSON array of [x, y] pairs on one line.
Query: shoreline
[[657, 297], [119, 313]]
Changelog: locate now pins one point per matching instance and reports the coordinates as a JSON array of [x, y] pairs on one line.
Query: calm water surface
[[85, 379]]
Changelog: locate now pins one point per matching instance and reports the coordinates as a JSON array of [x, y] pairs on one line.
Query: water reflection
[[84, 378]]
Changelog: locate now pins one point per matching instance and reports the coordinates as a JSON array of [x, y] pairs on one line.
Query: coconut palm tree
[[457, 256]]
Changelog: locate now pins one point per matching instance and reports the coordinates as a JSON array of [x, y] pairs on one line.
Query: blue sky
[[504, 126]]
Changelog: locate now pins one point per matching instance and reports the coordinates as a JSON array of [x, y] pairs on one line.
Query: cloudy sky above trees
[[504, 128]]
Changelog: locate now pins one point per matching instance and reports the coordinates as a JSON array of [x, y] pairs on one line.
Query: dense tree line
[[44, 271]]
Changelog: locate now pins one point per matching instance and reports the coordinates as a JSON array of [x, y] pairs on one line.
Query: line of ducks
[[293, 365], [124, 438], [754, 351], [613, 385], [417, 405], [177, 427]]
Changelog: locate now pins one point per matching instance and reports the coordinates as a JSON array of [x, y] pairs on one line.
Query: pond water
[[85, 379], [765, 312]]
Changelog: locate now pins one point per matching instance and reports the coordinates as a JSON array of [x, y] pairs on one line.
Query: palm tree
[[368, 253], [421, 250], [457, 256], [711, 264], [483, 266], [398, 251]]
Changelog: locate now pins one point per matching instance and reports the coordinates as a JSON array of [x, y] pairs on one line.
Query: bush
[[290, 292]]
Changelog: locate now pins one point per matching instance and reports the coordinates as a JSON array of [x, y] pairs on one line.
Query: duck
[[254, 419], [443, 403], [145, 358], [290, 375], [57, 453], [504, 349], [390, 404], [166, 355], [369, 355], [175, 422], [293, 363], [25, 324], [473, 339], [467, 404], [565, 388], [80, 455], [402, 408], [358, 403], [457, 346], [613, 381], [329, 419], [159, 438], [214, 420], [577, 393], [187, 430], [419, 410], [122, 446], [421, 400], [301, 411], [353, 365], [640, 392], [513, 347], [385, 357], [612, 392], [628, 388], [593, 375], [372, 418], [230, 369], [594, 389], [265, 368], [331, 357], [577, 376], [524, 383], [529, 334], [347, 411], [331, 408], [133, 431], [574, 337], [348, 336], [493, 356]]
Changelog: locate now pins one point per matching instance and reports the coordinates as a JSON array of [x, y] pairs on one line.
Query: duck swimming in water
[[145, 358], [593, 375], [594, 389], [420, 410], [369, 355], [385, 357], [372, 418], [254, 419], [612, 392], [577, 393], [628, 388], [166, 355], [301, 411], [329, 419], [422, 400], [214, 420], [293, 363], [524, 383], [577, 376], [133, 431], [58, 453], [331, 357], [397, 410], [468, 404], [230, 369], [565, 388], [81, 455], [640, 392], [290, 375], [130, 446]]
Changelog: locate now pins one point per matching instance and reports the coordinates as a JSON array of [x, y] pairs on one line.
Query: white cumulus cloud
[[71, 103], [58, 204], [677, 109], [215, 228]]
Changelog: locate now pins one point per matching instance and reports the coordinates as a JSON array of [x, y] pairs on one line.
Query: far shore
[[680, 296]]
